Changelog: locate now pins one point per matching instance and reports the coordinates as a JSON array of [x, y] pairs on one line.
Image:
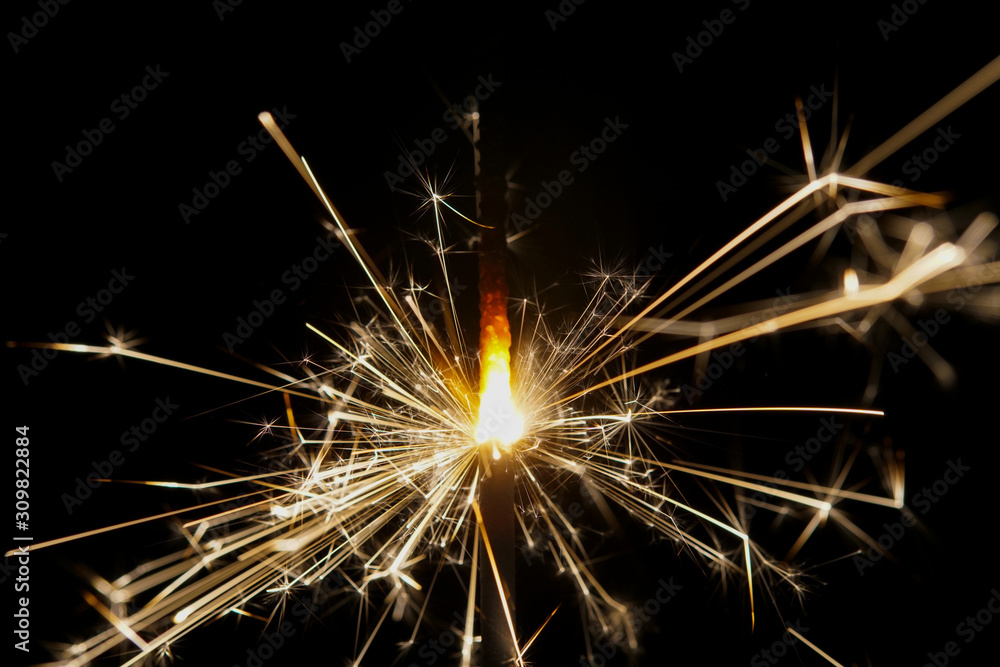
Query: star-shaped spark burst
[[386, 489]]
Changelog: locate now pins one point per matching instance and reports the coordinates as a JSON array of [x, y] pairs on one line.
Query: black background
[[654, 187]]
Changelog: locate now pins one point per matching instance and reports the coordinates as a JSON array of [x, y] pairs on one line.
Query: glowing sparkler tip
[[335, 505], [498, 420], [851, 283]]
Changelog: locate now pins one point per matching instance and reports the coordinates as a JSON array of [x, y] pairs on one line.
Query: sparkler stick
[[499, 426], [496, 495], [402, 442]]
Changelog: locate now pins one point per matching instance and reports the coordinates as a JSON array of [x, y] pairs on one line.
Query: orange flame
[[498, 420]]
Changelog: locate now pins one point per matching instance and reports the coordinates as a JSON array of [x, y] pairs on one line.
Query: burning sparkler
[[416, 461]]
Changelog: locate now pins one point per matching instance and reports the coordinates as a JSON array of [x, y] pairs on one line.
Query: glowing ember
[[498, 420], [390, 479]]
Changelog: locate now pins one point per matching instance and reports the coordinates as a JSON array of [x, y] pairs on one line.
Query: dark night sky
[[655, 187]]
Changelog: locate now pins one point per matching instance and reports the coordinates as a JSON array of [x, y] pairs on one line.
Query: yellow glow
[[851, 284], [498, 420], [183, 614]]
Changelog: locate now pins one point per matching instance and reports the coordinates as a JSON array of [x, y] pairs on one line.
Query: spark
[[392, 477], [499, 581], [815, 648]]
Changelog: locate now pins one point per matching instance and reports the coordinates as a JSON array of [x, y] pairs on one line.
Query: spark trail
[[397, 481]]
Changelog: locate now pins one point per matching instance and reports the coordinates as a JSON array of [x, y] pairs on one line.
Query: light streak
[[392, 478]]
